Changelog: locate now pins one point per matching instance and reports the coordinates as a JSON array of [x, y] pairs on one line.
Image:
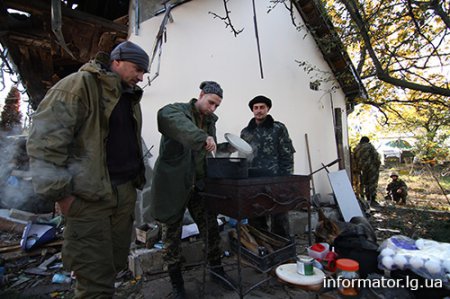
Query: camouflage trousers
[[399, 197], [97, 240], [207, 224], [369, 180]]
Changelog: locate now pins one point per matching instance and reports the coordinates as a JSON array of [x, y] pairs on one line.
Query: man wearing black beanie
[[86, 155]]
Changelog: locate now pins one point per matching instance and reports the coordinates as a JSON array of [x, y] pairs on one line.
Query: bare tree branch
[[439, 10], [381, 73], [227, 19]]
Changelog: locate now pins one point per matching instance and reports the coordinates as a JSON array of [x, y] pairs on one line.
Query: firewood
[[250, 246], [248, 235], [255, 232]]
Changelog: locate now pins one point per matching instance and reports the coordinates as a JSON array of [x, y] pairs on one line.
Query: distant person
[[273, 155], [397, 189], [368, 164]]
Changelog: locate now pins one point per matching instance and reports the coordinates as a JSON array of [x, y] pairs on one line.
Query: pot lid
[[238, 143]]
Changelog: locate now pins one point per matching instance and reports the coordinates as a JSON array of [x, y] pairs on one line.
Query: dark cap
[[211, 87], [364, 139], [131, 52], [260, 99]]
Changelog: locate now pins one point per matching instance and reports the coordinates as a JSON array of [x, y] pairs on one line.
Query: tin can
[[262, 251], [305, 265]]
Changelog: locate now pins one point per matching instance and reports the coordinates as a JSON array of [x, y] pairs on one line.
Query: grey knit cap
[[211, 87], [131, 52]]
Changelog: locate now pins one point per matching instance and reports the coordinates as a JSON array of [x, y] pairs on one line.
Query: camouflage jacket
[[272, 147], [393, 186], [366, 157]]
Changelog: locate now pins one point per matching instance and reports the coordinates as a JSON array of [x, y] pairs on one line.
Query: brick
[[145, 260]]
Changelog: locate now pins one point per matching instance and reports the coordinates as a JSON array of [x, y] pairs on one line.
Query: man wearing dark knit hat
[[188, 136], [128, 51], [273, 155], [86, 155]]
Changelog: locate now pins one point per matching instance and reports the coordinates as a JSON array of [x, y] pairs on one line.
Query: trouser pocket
[[87, 242]]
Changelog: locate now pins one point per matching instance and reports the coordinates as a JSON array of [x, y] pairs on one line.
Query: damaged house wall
[[196, 46], [200, 47]]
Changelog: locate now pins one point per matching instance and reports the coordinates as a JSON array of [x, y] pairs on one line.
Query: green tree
[[429, 125]]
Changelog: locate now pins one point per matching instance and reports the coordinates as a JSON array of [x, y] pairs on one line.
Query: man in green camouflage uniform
[[273, 155], [188, 135], [368, 164], [397, 189]]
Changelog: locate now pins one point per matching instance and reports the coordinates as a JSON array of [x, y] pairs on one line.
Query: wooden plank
[[14, 255], [9, 248], [43, 8], [8, 225]]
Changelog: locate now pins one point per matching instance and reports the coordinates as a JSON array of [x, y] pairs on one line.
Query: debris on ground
[[38, 272]]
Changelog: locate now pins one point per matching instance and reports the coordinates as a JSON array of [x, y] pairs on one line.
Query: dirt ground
[[425, 215]]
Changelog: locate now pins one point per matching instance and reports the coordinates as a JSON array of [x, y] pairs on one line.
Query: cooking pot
[[227, 168]]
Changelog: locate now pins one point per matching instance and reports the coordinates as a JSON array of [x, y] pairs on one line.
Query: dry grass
[[424, 191], [427, 210]]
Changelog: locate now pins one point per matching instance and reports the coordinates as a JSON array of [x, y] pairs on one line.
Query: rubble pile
[[35, 272]]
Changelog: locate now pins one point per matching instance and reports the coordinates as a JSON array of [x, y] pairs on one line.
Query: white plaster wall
[[200, 48]]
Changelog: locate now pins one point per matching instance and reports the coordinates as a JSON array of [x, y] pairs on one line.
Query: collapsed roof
[[47, 40], [45, 46]]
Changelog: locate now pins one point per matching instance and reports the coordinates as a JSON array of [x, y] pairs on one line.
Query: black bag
[[355, 243]]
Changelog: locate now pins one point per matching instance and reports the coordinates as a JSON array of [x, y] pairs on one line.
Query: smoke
[[16, 190]]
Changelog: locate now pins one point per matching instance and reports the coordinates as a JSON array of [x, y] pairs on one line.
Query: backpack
[[356, 243]]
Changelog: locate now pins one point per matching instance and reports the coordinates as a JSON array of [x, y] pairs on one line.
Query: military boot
[[176, 279]]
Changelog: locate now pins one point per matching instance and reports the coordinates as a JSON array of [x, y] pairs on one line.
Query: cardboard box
[[146, 232]]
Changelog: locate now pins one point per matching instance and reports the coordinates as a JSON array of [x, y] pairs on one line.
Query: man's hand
[[65, 203], [210, 145]]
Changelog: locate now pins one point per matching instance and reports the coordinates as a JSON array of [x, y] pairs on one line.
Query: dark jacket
[[175, 168], [68, 135]]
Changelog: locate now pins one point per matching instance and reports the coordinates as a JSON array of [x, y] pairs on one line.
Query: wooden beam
[[43, 8]]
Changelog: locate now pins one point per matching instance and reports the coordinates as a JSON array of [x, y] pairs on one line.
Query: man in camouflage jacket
[[273, 154], [397, 189], [368, 164]]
